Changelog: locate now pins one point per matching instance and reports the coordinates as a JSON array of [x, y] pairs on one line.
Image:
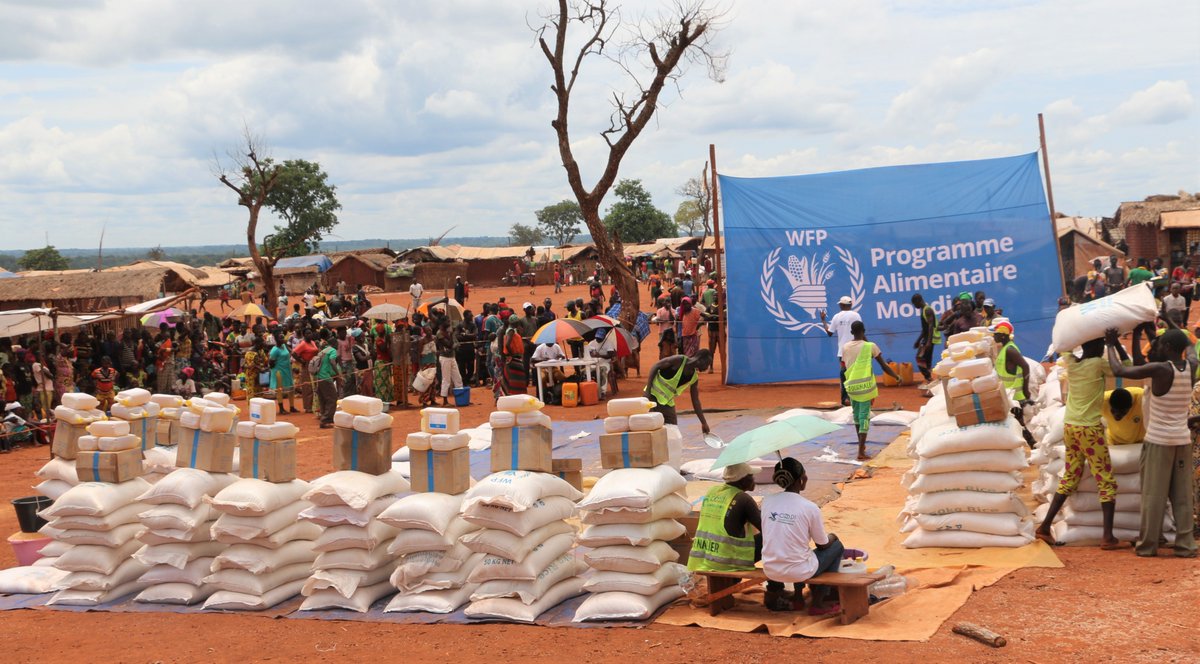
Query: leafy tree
[[296, 190], [46, 258], [688, 218], [521, 235], [156, 254], [308, 205], [560, 222], [634, 219], [654, 54]]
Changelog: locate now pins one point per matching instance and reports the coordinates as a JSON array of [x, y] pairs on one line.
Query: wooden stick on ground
[[980, 634]]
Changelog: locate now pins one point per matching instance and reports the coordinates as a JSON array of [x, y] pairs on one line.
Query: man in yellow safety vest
[[860, 380], [1011, 366], [670, 376], [724, 542]]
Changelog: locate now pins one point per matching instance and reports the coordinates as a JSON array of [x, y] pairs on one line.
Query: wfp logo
[[814, 280]]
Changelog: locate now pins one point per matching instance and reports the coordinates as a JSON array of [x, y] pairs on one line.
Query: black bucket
[[27, 509]]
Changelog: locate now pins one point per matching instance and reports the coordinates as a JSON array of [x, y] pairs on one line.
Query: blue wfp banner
[[795, 245]]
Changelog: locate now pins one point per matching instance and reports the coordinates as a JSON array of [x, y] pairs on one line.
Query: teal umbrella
[[773, 437]]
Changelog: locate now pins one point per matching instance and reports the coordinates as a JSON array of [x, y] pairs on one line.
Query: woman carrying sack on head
[[860, 380]]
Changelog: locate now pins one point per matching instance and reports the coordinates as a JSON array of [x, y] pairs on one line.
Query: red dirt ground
[[1101, 606]]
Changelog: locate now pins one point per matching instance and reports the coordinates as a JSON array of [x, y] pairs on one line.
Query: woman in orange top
[[690, 320]]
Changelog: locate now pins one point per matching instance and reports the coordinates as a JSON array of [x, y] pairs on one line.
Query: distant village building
[[1166, 227]]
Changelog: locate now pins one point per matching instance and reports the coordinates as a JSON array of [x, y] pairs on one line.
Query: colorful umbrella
[[388, 312], [249, 309], [169, 316], [600, 321], [558, 330], [772, 438], [453, 309], [620, 340]]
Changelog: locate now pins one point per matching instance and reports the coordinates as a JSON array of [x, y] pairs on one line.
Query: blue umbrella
[[773, 437]]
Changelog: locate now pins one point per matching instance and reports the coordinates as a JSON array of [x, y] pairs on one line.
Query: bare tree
[[696, 196], [652, 55], [252, 177]]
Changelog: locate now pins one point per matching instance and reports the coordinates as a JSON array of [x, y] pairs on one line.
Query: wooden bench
[[852, 590]]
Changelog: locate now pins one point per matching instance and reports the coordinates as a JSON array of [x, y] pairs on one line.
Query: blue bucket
[[462, 396]]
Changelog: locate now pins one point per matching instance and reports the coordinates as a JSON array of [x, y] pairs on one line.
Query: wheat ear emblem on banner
[[808, 277]]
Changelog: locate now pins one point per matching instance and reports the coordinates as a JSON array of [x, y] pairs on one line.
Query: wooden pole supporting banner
[[1062, 275], [718, 264]]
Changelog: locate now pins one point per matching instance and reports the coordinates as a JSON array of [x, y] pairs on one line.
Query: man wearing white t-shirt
[[416, 290], [790, 521], [840, 325]]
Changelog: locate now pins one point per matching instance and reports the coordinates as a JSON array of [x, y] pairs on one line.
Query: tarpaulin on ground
[[795, 245]]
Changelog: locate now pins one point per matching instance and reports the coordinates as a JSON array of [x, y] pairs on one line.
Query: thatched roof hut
[[1166, 227], [1149, 212], [85, 291]]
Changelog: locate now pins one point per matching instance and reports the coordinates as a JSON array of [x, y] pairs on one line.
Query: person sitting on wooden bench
[[790, 521], [723, 541]]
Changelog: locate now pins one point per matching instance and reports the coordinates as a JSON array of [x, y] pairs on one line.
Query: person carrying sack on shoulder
[[860, 380]]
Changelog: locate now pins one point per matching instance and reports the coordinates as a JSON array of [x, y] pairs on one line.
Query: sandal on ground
[[1114, 546], [830, 610]]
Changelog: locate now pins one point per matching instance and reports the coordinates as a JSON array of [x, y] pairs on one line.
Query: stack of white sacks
[[94, 526], [160, 458], [352, 568], [518, 410], [1081, 520], [170, 407], [136, 407], [79, 409], [522, 556], [178, 545], [263, 554], [433, 563], [58, 476], [630, 515], [634, 414], [963, 485], [363, 414], [212, 413]]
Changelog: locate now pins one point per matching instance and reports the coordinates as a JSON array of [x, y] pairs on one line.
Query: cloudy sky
[[429, 114]]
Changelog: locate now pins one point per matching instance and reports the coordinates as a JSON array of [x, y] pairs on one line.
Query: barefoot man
[[860, 380]]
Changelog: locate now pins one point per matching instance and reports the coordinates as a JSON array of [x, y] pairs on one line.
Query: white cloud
[[433, 114], [1161, 103], [948, 86]]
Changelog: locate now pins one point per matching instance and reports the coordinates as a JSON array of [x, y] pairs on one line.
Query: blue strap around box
[[95, 466], [195, 447], [625, 449], [429, 469], [144, 433], [254, 462], [516, 448], [978, 406], [354, 449]]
